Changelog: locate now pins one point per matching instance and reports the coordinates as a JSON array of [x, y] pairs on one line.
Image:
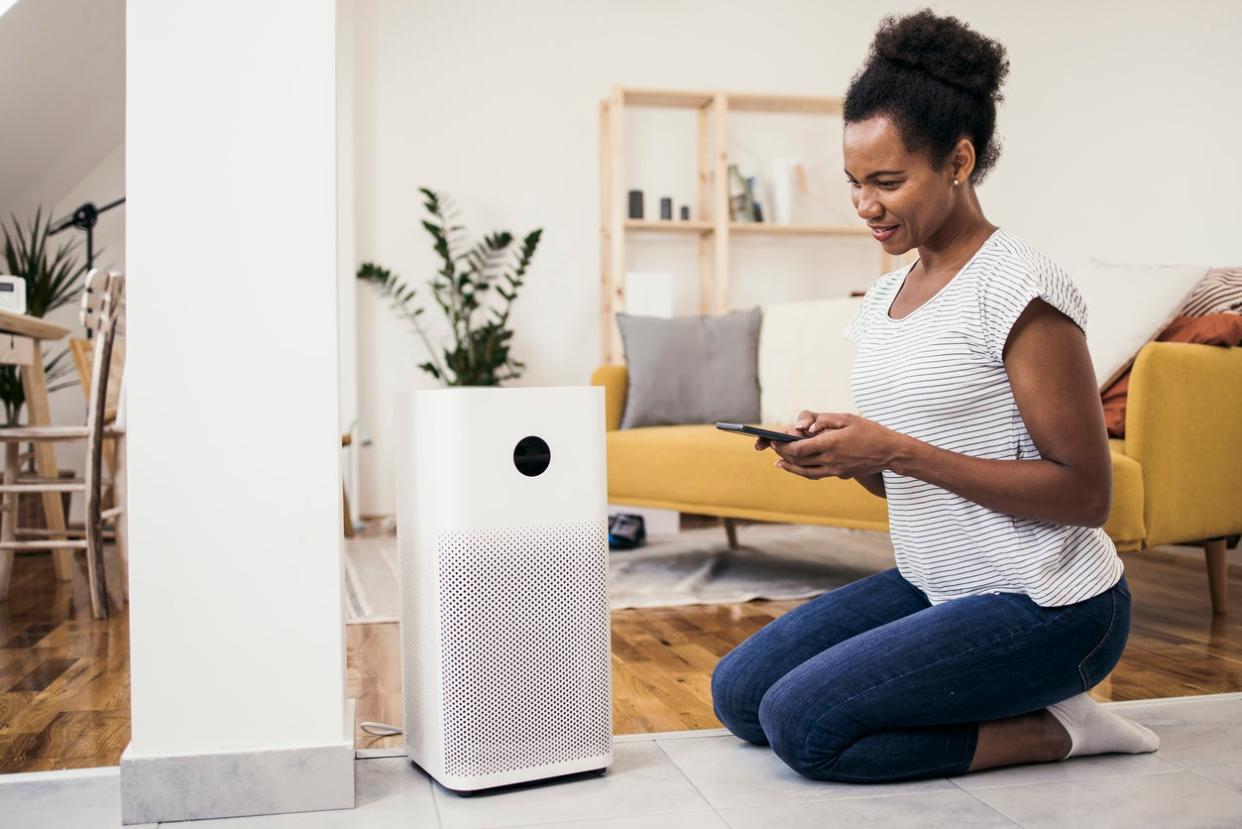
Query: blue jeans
[[872, 683]]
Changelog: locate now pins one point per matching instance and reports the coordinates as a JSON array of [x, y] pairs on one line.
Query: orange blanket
[[1212, 329]]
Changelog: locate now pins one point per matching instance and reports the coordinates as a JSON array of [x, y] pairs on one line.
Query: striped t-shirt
[[936, 374]]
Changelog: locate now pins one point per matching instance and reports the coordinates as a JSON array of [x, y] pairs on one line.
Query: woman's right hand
[[805, 425]]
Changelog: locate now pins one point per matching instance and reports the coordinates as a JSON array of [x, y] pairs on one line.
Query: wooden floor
[[64, 678]]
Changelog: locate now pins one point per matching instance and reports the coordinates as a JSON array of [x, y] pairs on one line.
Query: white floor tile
[[1076, 768], [1210, 708], [59, 799], [672, 735], [681, 820], [672, 782], [642, 781], [731, 772], [1229, 774], [1180, 800], [387, 792], [928, 810], [1195, 735], [1192, 699]]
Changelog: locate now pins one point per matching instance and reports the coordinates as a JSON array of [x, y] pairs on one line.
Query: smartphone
[[743, 429]]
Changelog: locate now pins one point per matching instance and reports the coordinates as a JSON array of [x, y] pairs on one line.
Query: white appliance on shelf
[[502, 528], [13, 293]]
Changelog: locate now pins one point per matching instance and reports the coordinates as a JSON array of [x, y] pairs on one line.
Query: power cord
[[379, 729]]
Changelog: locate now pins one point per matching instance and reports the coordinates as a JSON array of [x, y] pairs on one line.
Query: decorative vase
[[781, 209], [636, 204]]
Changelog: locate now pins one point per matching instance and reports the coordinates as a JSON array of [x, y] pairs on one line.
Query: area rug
[[773, 561]]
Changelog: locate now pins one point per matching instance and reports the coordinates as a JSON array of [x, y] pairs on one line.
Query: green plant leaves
[[468, 275], [52, 279]]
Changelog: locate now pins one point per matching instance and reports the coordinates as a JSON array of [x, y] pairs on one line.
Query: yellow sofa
[[1177, 474]]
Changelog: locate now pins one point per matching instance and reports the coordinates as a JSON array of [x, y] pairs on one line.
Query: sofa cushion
[[691, 369], [701, 469], [804, 361], [1212, 329], [1220, 292], [1117, 329], [1125, 520]]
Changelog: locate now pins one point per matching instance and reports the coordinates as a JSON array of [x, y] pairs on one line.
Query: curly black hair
[[938, 81]]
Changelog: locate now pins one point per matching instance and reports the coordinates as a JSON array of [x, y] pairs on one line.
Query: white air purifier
[[502, 527]]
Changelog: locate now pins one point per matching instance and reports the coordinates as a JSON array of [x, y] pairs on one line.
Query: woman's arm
[[1054, 387], [873, 483]]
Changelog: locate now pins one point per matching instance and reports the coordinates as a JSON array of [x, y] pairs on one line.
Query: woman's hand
[[801, 425], [836, 445]]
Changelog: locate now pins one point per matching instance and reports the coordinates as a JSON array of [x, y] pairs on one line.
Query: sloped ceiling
[[62, 95]]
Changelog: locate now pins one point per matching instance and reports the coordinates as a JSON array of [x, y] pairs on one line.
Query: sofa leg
[[731, 533], [1218, 573]]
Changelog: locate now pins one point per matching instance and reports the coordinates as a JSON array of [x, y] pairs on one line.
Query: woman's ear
[[962, 160]]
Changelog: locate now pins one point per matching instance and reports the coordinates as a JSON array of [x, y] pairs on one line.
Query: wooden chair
[[346, 440], [82, 350], [102, 313]]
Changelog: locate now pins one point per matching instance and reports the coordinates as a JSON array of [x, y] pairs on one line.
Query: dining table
[[21, 344]]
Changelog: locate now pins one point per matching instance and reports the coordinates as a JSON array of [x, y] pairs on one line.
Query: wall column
[[237, 642]]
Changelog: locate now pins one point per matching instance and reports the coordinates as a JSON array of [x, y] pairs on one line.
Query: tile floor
[[699, 779]]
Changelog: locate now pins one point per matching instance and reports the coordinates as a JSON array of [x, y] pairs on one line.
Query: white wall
[[347, 284], [1118, 142], [63, 65], [235, 522]]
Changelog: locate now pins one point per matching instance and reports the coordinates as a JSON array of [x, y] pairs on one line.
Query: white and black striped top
[[936, 374]]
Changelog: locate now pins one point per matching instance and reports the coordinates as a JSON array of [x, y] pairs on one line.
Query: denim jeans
[[872, 683]]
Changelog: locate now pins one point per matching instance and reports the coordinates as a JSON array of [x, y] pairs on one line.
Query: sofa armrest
[[616, 382], [1184, 427]]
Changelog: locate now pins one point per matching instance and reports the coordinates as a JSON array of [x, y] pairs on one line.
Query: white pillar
[[237, 642], [346, 249]]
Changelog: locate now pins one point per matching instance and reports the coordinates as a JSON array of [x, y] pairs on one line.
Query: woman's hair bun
[[945, 48]]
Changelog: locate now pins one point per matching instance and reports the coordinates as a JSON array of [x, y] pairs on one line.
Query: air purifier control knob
[[531, 456]]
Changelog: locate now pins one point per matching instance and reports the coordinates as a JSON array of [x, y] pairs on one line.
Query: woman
[[983, 429]]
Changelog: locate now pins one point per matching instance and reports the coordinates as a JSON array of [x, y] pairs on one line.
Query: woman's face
[[897, 193]]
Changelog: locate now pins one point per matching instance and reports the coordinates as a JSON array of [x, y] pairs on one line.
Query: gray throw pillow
[[691, 369]]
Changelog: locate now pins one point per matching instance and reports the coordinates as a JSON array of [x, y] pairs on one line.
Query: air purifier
[[502, 529]]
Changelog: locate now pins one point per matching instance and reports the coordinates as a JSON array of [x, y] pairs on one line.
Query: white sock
[[1093, 729]]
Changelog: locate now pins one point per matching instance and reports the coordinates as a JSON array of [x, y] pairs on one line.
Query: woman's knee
[[801, 731], [735, 697]]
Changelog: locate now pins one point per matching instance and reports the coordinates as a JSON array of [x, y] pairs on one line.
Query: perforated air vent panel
[[525, 642]]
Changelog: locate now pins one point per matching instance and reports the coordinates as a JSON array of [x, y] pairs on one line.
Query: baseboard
[[238, 784]]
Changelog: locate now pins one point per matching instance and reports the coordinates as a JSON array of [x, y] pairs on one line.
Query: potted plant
[[52, 280], [469, 278]]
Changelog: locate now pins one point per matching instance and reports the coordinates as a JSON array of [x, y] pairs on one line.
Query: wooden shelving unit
[[713, 233], [669, 226]]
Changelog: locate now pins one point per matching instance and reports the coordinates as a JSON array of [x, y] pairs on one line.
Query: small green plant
[[52, 280], [468, 277]]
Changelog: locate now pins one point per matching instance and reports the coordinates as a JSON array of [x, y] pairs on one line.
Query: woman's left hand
[[841, 446]]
